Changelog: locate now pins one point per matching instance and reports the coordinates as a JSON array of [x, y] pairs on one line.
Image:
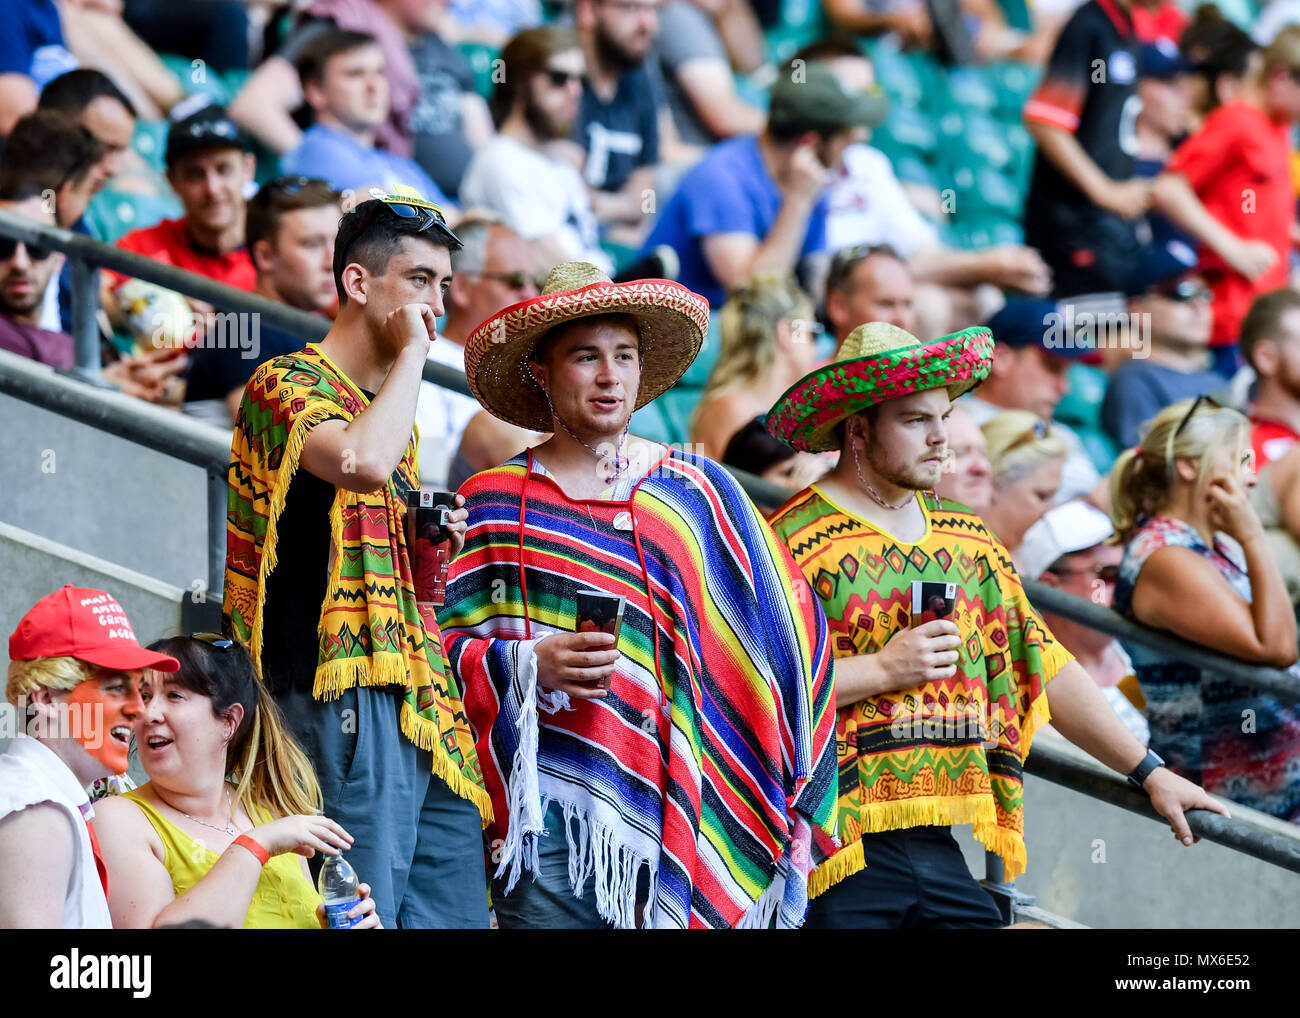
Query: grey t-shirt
[[686, 33]]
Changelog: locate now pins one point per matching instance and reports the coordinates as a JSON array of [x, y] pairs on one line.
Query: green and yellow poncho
[[372, 632], [942, 753]]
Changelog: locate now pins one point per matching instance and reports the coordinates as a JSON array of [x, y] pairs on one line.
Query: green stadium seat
[[802, 21], [897, 75], [677, 405], [971, 88], [195, 77], [150, 141], [911, 169], [1081, 407], [111, 214], [481, 58], [986, 138], [906, 128], [649, 423], [1013, 83]]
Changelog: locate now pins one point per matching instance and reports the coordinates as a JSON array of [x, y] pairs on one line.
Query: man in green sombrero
[[943, 669], [671, 774]]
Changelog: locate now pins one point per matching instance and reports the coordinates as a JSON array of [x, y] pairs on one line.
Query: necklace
[[228, 829], [875, 495], [620, 462]]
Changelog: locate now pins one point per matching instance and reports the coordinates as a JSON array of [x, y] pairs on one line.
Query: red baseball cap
[[86, 624]]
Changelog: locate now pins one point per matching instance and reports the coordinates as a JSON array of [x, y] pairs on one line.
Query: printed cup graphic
[[429, 543], [932, 600]]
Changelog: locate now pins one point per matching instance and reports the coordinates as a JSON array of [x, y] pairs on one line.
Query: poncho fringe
[[379, 668]]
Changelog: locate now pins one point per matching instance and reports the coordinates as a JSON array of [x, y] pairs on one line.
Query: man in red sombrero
[[935, 713], [671, 774]]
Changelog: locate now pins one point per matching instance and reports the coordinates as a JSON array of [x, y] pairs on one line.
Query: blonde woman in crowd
[[1196, 562], [222, 830], [1026, 460], [768, 342]]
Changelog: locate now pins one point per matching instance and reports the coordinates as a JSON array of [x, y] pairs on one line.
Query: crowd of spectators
[[1146, 315]]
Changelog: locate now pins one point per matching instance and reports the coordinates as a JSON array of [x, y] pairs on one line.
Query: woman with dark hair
[[231, 799]]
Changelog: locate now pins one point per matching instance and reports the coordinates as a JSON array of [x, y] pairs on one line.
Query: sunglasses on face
[[514, 280], [1106, 573], [559, 79], [9, 247]]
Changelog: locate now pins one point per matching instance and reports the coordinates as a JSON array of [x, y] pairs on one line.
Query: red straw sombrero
[[672, 321], [877, 361]]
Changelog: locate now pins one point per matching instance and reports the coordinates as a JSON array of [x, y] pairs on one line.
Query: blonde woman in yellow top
[[768, 337], [222, 830]]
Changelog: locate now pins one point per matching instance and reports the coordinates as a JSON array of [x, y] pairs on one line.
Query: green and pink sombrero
[[877, 361]]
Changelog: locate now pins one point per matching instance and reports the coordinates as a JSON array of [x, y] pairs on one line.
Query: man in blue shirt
[[1176, 319], [31, 53], [758, 202], [343, 82]]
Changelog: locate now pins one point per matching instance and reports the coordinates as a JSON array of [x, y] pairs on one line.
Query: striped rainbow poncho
[[711, 761]]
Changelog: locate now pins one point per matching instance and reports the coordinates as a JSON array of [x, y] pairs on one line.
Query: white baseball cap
[[1063, 530]]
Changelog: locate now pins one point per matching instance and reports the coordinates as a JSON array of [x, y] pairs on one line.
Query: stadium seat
[[906, 129], [480, 57], [150, 141], [697, 375], [677, 405], [1100, 447], [971, 88], [649, 423], [1012, 83], [195, 77], [111, 214], [1081, 407]]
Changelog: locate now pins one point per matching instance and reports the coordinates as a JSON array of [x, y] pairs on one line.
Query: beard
[[612, 54], [545, 125], [914, 476]]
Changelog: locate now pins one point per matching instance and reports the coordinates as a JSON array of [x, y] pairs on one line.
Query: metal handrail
[[203, 446], [86, 254], [1096, 616], [1251, 833]]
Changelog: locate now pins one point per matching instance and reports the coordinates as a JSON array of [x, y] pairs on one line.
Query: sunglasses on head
[[289, 185], [1186, 290], [214, 640], [1191, 411], [846, 258], [1041, 429], [406, 208], [559, 78], [9, 247]]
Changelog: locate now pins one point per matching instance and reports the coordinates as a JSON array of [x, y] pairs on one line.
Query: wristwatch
[[1143, 770]]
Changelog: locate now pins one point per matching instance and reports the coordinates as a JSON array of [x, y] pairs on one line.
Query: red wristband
[[244, 841]]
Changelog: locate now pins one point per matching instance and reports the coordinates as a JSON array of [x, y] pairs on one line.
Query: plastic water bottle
[[337, 884]]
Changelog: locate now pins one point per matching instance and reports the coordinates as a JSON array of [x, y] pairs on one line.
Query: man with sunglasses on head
[[492, 270], [289, 227], [319, 580], [1177, 363]]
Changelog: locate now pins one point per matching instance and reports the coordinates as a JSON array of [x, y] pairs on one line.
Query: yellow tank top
[[284, 898]]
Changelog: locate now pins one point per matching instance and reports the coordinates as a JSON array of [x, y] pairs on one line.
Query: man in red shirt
[[208, 166], [1229, 185], [1270, 343]]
